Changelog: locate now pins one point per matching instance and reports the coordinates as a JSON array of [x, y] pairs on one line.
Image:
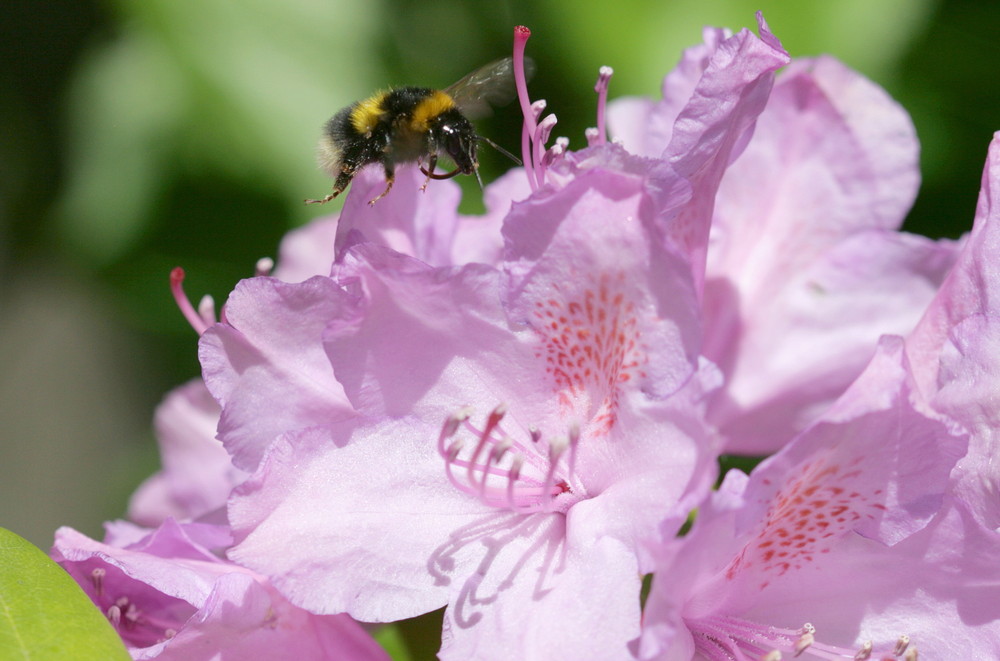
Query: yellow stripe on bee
[[429, 108], [366, 115]]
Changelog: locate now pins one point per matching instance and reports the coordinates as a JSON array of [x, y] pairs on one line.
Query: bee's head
[[457, 138]]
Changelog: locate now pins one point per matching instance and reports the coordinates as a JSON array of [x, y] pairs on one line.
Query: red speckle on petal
[[821, 501], [591, 345]]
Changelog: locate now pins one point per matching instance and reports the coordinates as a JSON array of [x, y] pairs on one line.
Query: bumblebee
[[407, 124]]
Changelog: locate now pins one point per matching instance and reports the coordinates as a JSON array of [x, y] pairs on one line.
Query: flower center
[[823, 502], [137, 625], [721, 638], [591, 346], [520, 474]]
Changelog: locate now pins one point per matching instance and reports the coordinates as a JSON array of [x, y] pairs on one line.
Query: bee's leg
[[431, 164], [390, 177], [343, 179]]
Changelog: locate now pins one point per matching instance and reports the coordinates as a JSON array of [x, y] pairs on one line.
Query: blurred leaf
[[43, 612], [391, 640], [129, 103], [642, 39], [238, 90]]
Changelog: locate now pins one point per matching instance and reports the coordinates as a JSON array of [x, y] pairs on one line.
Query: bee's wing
[[487, 87]]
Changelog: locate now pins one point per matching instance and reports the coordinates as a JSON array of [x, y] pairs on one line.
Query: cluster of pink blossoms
[[514, 416]]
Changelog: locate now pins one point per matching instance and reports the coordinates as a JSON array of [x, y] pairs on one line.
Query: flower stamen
[[599, 135], [201, 319], [97, 578], [490, 465], [263, 267], [720, 638]]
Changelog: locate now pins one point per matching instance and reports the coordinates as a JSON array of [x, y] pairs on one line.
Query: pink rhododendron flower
[[956, 351], [198, 473], [293, 370], [842, 545], [511, 416], [519, 432], [487, 466], [269, 372], [805, 268], [171, 596]]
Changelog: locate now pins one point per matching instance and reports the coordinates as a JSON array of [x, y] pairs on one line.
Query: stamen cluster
[[505, 472], [721, 638]]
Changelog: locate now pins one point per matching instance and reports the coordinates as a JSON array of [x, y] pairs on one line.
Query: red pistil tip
[[521, 34]]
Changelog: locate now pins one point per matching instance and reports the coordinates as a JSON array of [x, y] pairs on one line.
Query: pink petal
[[588, 273], [645, 127], [478, 238], [955, 348], [197, 473], [266, 365], [427, 335], [714, 126], [415, 222], [334, 538], [569, 601], [307, 251], [791, 349], [832, 159]]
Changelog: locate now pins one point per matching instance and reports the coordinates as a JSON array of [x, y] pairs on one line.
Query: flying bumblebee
[[409, 124]]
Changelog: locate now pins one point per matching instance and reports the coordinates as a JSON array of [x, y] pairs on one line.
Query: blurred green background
[[138, 135]]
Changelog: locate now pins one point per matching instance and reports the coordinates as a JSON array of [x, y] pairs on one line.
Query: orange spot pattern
[[805, 517], [590, 345]]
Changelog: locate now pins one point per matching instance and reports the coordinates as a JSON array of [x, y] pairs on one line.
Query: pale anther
[[574, 432], [773, 655], [500, 450], [515, 468], [97, 578], [496, 415], [901, 645], [206, 309], [449, 427], [865, 652], [557, 446], [264, 266], [804, 642]]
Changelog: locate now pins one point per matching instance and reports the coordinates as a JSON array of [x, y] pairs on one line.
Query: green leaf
[[43, 612], [391, 640]]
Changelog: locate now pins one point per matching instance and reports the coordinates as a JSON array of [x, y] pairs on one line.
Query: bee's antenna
[[499, 149], [478, 178]]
